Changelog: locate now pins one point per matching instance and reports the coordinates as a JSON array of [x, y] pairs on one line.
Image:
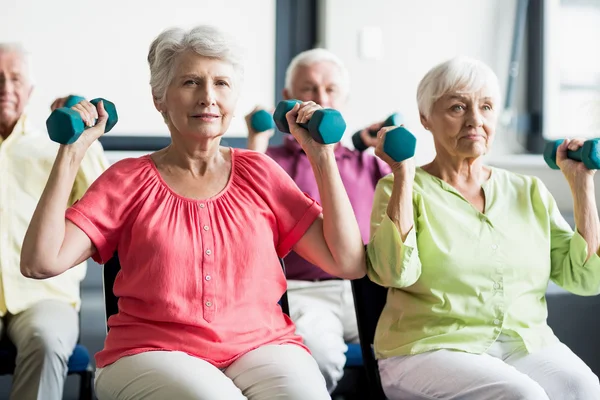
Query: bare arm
[[257, 141], [400, 206], [333, 242], [53, 244], [586, 215], [581, 182]]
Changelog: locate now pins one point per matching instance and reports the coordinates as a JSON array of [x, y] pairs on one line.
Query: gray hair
[[23, 53], [314, 56], [206, 41], [460, 74]]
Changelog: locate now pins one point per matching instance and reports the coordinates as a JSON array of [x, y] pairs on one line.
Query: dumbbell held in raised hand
[[262, 121], [65, 125], [588, 154], [399, 144], [395, 119], [326, 126]]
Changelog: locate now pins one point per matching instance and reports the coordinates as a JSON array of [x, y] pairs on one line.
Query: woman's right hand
[[94, 119], [406, 167]]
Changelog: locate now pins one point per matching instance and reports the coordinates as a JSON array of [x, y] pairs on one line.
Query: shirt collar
[[21, 127], [290, 143]]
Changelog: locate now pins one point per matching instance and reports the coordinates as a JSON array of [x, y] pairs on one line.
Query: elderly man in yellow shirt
[[39, 316], [467, 252]]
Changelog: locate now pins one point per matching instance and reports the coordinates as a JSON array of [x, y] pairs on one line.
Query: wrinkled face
[[321, 82], [201, 98], [463, 124], [15, 88]]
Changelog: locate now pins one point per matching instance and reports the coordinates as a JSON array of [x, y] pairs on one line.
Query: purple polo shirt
[[360, 172]]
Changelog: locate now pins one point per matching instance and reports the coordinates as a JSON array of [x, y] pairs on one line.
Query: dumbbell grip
[[575, 155]]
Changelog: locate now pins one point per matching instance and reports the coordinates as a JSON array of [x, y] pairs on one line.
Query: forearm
[[46, 231], [586, 214], [400, 206], [258, 142], [340, 228]]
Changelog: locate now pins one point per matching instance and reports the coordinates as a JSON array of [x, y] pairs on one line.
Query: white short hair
[[23, 53], [206, 41], [460, 74], [314, 56]]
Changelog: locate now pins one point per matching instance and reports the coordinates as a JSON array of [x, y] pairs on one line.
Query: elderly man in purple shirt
[[321, 305]]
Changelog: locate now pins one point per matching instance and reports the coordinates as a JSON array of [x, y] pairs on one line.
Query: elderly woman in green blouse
[[467, 251]]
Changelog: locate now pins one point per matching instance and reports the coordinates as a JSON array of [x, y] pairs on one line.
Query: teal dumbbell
[[588, 154], [65, 125], [72, 100], [395, 119], [262, 121], [326, 126], [399, 144]]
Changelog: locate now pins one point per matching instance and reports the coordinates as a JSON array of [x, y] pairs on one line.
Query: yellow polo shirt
[[462, 277], [26, 158]]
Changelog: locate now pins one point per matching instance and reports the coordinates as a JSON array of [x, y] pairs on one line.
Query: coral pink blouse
[[197, 276]]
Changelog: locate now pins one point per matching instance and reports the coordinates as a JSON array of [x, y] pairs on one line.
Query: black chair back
[[369, 300], [109, 274]]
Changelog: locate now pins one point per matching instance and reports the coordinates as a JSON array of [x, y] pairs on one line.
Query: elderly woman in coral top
[[199, 229]]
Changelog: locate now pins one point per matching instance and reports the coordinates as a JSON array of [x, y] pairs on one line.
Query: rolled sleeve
[[392, 262], [576, 272]]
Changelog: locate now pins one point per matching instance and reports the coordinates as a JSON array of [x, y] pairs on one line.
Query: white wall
[[416, 36], [99, 48]]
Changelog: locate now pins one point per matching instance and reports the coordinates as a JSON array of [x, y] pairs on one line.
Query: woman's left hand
[[574, 171], [301, 114]]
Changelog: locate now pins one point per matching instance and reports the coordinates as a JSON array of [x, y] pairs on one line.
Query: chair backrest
[[111, 302], [285, 305], [109, 274], [369, 300]]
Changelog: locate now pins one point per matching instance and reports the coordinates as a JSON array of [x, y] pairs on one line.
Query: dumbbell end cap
[[591, 151], [358, 142], [279, 115], [111, 110], [400, 144], [327, 126], [64, 126], [262, 121], [550, 153]]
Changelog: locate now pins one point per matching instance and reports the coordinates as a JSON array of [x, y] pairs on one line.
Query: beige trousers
[[269, 372], [45, 336]]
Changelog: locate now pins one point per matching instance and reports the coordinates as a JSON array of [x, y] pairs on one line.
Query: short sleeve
[[94, 163], [104, 207], [294, 210]]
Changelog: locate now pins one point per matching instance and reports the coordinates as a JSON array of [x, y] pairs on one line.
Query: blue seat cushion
[[354, 355], [79, 360]]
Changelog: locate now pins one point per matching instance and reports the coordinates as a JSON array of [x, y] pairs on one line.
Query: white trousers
[[505, 372], [269, 372], [325, 318]]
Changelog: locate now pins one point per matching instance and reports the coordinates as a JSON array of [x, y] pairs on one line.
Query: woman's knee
[[521, 389], [284, 370], [575, 385]]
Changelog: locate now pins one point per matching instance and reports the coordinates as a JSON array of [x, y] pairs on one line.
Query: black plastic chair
[[369, 300]]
